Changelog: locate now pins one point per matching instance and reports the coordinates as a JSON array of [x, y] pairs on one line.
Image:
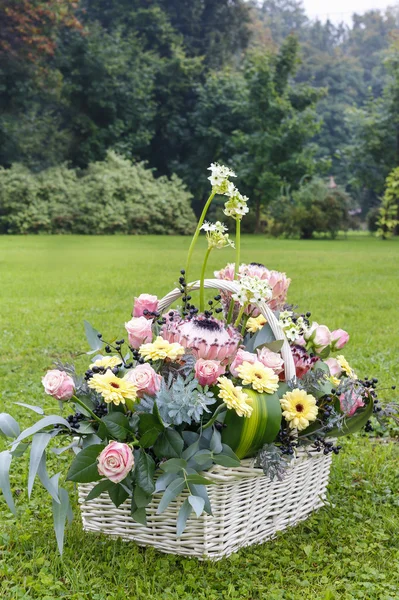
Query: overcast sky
[[341, 10]]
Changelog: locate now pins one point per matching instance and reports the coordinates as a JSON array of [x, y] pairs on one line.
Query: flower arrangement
[[195, 386]]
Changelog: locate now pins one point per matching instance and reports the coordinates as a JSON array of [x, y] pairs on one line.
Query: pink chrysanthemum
[[206, 337]]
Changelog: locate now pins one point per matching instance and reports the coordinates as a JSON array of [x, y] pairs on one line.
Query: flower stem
[[217, 412], [202, 301], [238, 246], [236, 324], [197, 231], [83, 405]]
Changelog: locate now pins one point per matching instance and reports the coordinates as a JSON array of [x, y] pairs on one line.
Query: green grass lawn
[[349, 549]]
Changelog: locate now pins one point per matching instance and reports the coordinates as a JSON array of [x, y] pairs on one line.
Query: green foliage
[[314, 208], [110, 196], [388, 214]]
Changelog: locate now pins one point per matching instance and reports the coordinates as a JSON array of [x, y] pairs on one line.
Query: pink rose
[[146, 380], [58, 384], [334, 366], [271, 359], [319, 336], [207, 371], [240, 357], [115, 461], [339, 338], [143, 303], [139, 331], [355, 402]]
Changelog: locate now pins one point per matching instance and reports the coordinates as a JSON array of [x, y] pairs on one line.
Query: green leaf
[[173, 465], [200, 490], [197, 503], [118, 494], [87, 401], [149, 430], [184, 513], [199, 479], [60, 513], [94, 341], [216, 442], [191, 450], [103, 486], [227, 458], [202, 457], [163, 481], [171, 492], [84, 467], [144, 471], [5, 462], [169, 444], [51, 485], [138, 514], [42, 424], [36, 409], [263, 336], [141, 498], [39, 443], [8, 426], [20, 449], [117, 425], [274, 346]]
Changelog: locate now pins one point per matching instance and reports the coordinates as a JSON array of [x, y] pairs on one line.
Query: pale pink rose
[[146, 380], [115, 461], [139, 331], [145, 302], [334, 366], [351, 407], [207, 371], [319, 336], [271, 359], [240, 357], [300, 341], [339, 338], [58, 384]]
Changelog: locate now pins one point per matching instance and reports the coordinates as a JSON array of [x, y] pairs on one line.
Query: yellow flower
[[161, 349], [299, 408], [255, 323], [107, 362], [234, 397], [347, 369], [262, 379], [333, 380], [113, 389]]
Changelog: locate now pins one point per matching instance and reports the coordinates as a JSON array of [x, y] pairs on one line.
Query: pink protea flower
[[227, 273], [303, 362], [206, 337]]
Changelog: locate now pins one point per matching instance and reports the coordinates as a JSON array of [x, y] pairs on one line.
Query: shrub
[[112, 196], [388, 214]]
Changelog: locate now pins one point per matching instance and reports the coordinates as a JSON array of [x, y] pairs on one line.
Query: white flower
[[236, 206], [219, 177], [216, 236], [208, 226], [252, 290]]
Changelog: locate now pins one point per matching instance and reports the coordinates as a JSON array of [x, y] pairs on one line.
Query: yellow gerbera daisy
[[161, 349], [255, 323], [234, 397], [262, 379], [299, 408], [112, 388], [107, 362], [333, 380], [347, 369]]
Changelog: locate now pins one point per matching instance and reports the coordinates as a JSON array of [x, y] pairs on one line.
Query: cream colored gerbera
[[255, 323], [234, 397], [333, 380], [262, 379], [161, 349], [345, 366], [299, 408], [112, 388], [107, 362]]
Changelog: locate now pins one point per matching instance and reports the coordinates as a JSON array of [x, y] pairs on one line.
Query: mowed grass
[[349, 549]]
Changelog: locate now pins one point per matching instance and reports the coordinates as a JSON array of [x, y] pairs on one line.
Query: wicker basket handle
[[231, 286]]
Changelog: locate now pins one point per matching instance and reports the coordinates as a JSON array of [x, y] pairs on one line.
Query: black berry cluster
[[73, 420], [322, 445]]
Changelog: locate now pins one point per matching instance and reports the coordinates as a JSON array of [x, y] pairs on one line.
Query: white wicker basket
[[248, 508]]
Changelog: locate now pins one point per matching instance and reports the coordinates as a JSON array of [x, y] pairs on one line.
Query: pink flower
[[271, 359], [115, 461], [334, 366], [355, 402], [207, 371], [227, 273], [302, 360], [339, 338], [240, 357], [145, 379], [58, 384], [145, 302], [319, 336], [206, 337], [139, 331]]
